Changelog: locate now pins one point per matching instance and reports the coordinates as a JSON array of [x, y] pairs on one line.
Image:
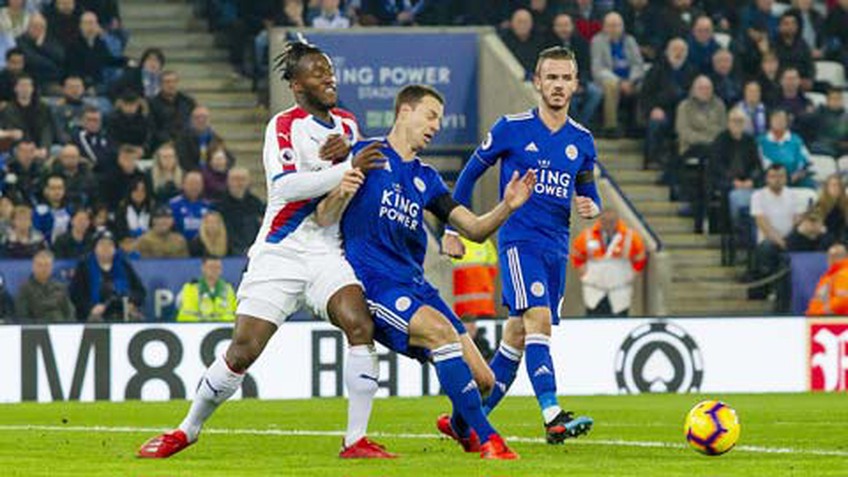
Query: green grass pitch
[[782, 435]]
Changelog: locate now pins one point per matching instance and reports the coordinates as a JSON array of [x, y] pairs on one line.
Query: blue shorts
[[532, 277], [393, 304]]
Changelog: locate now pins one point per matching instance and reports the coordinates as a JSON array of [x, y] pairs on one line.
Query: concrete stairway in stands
[[699, 284], [204, 73]]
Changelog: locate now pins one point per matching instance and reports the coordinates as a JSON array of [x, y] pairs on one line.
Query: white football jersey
[[292, 141]]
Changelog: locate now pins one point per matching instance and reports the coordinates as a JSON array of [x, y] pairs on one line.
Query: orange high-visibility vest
[[590, 245], [474, 279], [831, 296]]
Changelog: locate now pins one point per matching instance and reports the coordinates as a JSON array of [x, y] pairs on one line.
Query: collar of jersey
[[331, 125], [545, 127]]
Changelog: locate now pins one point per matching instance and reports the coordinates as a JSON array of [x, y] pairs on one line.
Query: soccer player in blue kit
[[533, 243], [385, 241]]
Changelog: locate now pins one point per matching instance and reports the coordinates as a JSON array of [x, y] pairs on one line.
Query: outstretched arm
[[479, 228], [330, 209]]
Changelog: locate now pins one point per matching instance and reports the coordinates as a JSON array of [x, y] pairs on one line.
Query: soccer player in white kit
[[295, 262]]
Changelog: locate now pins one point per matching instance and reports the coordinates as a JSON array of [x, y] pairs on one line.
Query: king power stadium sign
[[306, 359]]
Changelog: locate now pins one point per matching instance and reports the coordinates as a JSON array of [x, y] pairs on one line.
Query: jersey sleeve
[[439, 200], [585, 183], [485, 156]]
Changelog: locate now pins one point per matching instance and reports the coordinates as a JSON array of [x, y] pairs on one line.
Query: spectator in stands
[[812, 26], [67, 111], [793, 52], [769, 79], [13, 22], [101, 218], [750, 49], [618, 66], [836, 35], [781, 146], [105, 286], [735, 167], [666, 84], [643, 21], [166, 175], [52, 217], [699, 119], [194, 145], [93, 142], [831, 126], [587, 18], [211, 239], [587, 98], [522, 40], [161, 241], [15, 66], [242, 211], [832, 205], [88, 55], [130, 122], [725, 80], [63, 17], [7, 304], [831, 295], [543, 15], [679, 17], [382, 12], [7, 208], [114, 185], [215, 175], [170, 110], [753, 107], [22, 240], [23, 173], [145, 81], [189, 207], [29, 114], [109, 15], [702, 45], [290, 15], [208, 298], [758, 14], [43, 299], [45, 57], [809, 234], [793, 100], [607, 256], [76, 242], [132, 218], [330, 16]]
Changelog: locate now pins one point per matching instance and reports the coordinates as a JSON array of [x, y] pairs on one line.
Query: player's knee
[[442, 333]]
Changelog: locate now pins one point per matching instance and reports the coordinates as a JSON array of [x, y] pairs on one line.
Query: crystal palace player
[[385, 241], [294, 260], [533, 243]]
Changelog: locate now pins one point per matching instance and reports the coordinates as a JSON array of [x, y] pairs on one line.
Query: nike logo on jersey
[[542, 370], [531, 147]]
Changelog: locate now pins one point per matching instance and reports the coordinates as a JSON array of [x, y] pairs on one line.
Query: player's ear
[[537, 82]]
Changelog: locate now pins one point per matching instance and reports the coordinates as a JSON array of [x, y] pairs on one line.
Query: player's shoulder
[[343, 113], [284, 119], [581, 129], [364, 142], [518, 117]]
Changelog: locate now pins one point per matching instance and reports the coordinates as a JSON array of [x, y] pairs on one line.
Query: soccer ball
[[712, 427]]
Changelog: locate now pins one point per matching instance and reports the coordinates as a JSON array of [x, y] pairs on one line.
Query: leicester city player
[[385, 241], [533, 243]]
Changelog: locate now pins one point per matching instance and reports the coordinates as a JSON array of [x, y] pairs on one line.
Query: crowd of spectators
[[104, 160]]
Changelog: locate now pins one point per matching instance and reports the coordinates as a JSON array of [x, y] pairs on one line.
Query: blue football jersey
[[521, 142], [383, 226]]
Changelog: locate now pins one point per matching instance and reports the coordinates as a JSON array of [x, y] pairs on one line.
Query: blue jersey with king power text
[[521, 142], [383, 226]]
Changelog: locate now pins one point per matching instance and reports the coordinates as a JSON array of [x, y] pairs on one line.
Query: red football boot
[[496, 449], [469, 444], [365, 449], [164, 446]]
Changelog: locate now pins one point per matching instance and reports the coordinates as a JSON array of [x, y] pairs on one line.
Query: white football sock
[[362, 371], [217, 385]]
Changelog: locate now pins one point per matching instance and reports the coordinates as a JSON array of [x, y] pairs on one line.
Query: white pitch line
[[389, 435]]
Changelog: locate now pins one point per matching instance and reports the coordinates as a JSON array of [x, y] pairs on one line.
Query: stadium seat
[[723, 39], [822, 166], [830, 72], [818, 99], [804, 197]]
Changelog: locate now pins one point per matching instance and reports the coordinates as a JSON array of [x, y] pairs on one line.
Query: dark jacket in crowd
[[732, 158], [132, 129], [89, 60], [45, 62], [170, 116], [34, 120], [92, 285], [99, 148], [243, 218], [664, 87], [43, 302], [66, 246]]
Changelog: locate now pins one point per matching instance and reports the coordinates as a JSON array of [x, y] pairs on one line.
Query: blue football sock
[[458, 383], [540, 369], [505, 366]]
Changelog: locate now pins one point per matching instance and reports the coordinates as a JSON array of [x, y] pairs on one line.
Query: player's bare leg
[[429, 329], [349, 312], [220, 381], [454, 426]]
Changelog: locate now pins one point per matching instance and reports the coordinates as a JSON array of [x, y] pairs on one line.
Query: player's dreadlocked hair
[[286, 62]]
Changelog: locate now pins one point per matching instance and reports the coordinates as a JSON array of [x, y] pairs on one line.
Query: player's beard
[[316, 102]]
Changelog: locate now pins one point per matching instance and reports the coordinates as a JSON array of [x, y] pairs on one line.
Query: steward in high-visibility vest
[[208, 298], [608, 255], [474, 279], [831, 296]]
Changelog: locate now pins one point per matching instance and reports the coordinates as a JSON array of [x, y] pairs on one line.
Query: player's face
[[316, 81], [556, 81], [423, 121]]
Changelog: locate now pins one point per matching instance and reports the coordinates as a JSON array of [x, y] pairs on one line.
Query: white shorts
[[275, 285]]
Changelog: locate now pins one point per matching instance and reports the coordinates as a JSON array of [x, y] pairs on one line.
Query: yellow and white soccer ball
[[712, 427]]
